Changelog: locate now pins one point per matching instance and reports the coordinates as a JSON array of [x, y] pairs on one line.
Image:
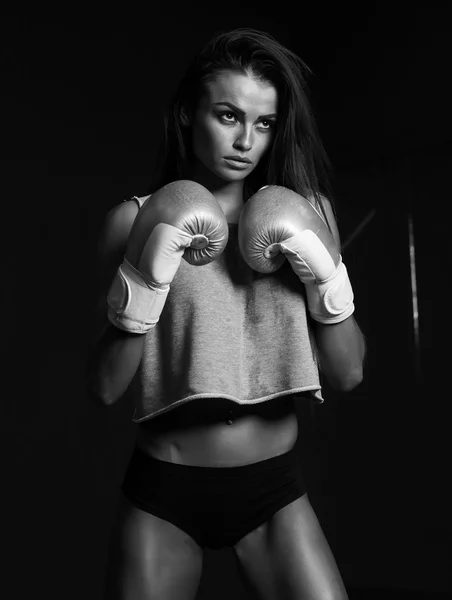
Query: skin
[[218, 132]]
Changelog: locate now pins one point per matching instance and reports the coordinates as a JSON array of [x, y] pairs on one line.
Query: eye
[[222, 115], [270, 122]]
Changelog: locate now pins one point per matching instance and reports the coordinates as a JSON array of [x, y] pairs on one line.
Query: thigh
[[150, 558], [289, 557]]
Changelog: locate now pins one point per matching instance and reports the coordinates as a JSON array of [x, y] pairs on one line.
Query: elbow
[[97, 388], [352, 381], [95, 397], [346, 382], [98, 396]]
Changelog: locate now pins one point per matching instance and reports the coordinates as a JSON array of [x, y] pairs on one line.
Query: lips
[[239, 159]]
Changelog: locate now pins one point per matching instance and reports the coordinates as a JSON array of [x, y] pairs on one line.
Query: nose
[[244, 141]]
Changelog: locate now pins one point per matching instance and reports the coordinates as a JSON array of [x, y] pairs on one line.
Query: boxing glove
[[180, 220], [277, 223]]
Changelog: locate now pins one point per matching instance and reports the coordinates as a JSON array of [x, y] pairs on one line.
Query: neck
[[229, 194]]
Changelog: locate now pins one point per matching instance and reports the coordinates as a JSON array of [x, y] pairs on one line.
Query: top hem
[[314, 388]]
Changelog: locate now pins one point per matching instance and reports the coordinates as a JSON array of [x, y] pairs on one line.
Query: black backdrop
[[82, 97]]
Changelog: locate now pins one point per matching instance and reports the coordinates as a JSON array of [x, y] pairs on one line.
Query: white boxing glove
[[181, 220], [276, 223]]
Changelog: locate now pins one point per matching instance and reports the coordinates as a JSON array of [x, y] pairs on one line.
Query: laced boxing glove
[[180, 220], [276, 223]]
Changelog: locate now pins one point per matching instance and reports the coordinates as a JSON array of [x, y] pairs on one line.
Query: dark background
[[82, 100]]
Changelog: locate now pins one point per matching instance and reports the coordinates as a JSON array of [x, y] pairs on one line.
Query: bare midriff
[[214, 432]]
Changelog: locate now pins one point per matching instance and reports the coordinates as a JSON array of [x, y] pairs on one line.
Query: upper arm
[[331, 220], [112, 244]]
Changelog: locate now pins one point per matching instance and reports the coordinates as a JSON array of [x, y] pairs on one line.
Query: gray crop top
[[227, 331]]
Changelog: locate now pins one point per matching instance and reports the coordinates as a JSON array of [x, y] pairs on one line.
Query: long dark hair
[[296, 159]]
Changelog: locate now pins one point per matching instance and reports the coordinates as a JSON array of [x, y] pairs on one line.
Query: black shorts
[[216, 506]]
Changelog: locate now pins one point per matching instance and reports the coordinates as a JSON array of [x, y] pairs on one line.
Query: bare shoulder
[[119, 219], [328, 208], [113, 239]]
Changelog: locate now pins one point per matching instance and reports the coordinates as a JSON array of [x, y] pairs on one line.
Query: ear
[[185, 117]]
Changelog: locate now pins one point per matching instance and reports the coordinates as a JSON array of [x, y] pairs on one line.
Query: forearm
[[342, 349], [112, 364]]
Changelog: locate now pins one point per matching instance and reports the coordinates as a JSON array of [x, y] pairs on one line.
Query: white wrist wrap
[[135, 303], [331, 301]]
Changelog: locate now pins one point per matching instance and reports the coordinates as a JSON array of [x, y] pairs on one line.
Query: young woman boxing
[[223, 296]]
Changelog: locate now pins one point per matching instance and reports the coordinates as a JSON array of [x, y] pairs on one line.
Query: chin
[[235, 175], [228, 175], [223, 172]]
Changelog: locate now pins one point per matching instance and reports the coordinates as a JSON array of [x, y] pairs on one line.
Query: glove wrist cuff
[[134, 302], [331, 301]]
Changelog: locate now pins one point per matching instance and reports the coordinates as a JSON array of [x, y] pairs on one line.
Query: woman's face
[[236, 117]]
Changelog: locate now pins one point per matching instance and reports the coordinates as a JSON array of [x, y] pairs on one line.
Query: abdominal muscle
[[206, 433]]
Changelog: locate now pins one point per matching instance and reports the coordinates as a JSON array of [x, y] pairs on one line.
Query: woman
[[215, 462]]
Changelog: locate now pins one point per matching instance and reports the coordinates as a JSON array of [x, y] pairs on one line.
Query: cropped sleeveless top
[[227, 331]]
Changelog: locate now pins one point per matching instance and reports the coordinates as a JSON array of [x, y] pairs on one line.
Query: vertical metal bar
[[417, 349]]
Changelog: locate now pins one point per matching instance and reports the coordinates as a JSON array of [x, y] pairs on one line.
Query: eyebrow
[[241, 112]]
